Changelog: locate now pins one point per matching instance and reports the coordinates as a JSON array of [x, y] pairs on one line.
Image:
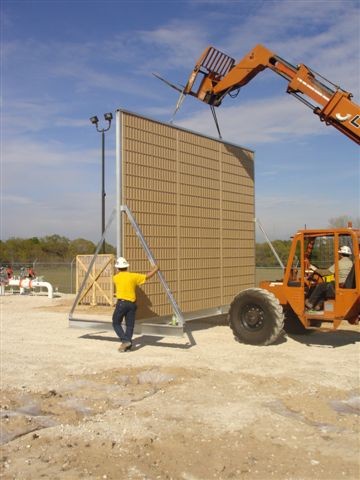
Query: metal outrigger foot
[[159, 329]]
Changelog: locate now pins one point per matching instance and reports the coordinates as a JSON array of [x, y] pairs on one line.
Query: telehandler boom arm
[[221, 76]]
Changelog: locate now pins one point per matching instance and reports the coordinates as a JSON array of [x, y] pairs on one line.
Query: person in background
[[326, 290], [31, 272], [9, 272], [125, 291]]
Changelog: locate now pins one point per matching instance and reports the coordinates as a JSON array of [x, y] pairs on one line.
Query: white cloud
[[49, 187], [324, 36], [48, 215], [281, 215], [31, 156], [34, 114], [276, 119]]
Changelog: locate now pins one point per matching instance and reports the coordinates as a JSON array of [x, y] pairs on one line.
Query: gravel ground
[[73, 407]]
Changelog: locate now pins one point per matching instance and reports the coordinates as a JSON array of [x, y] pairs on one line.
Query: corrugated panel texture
[[193, 198]]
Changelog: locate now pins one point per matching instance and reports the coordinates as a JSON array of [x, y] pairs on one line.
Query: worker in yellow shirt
[[125, 291]]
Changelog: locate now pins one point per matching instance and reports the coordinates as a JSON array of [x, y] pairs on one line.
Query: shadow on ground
[[335, 339]]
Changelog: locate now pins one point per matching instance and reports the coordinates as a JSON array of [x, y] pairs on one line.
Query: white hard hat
[[345, 250], [121, 262]]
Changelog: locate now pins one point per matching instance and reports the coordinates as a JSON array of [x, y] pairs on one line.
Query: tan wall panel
[[193, 198]]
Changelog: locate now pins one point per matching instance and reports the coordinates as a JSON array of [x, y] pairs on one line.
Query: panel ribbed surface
[[193, 198]]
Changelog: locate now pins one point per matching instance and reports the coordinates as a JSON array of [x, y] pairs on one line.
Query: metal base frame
[[155, 326]]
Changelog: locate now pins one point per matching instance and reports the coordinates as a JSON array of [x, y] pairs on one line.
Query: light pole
[[95, 121]]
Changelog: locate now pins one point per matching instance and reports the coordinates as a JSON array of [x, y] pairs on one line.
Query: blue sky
[[65, 61]]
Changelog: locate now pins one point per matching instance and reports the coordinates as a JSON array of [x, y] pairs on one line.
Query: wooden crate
[[99, 288]]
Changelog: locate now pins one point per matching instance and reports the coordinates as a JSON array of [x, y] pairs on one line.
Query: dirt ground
[[73, 407]]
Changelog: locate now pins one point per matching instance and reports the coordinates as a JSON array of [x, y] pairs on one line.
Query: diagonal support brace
[[178, 313]]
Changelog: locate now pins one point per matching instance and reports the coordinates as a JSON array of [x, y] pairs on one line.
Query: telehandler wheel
[[256, 317]]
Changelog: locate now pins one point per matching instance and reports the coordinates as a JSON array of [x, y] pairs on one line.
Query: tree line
[[52, 248], [55, 248]]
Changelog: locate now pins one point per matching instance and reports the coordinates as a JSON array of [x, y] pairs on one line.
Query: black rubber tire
[[293, 325], [256, 317]]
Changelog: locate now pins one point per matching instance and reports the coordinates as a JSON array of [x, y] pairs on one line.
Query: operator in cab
[[326, 290]]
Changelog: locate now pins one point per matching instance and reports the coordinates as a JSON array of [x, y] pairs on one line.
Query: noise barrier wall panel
[[193, 198]]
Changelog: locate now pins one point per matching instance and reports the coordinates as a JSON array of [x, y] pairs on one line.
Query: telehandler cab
[[257, 316]]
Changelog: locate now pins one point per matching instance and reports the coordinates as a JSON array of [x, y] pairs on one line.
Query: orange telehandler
[[258, 315], [222, 76]]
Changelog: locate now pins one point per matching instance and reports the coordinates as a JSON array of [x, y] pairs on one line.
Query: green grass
[[62, 276], [268, 273]]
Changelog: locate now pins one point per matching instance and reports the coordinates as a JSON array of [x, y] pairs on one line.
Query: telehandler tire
[[256, 317]]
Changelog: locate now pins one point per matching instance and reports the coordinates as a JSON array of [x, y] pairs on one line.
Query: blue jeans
[[125, 309]]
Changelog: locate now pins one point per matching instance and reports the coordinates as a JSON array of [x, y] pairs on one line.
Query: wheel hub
[[253, 317]]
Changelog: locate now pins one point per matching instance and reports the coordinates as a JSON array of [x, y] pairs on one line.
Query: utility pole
[[95, 121]]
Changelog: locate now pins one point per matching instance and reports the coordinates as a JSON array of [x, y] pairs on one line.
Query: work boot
[[309, 305], [125, 346]]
